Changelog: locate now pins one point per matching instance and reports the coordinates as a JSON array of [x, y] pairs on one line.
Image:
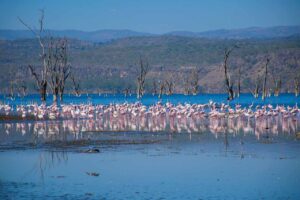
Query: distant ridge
[[108, 35], [245, 33], [94, 36]]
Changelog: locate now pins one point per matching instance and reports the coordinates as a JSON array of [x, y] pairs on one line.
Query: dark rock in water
[[92, 173], [282, 158], [93, 150]]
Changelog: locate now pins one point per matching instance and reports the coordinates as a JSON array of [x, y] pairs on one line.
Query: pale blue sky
[[154, 16]]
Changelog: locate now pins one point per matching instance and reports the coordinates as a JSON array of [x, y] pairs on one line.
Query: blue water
[[196, 166], [244, 99]]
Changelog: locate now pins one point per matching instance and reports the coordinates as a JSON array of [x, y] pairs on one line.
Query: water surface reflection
[[36, 132]]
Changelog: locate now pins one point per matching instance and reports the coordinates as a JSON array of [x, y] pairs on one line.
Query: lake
[[189, 158]]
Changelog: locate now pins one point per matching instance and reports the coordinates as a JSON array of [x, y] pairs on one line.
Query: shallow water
[[190, 159], [147, 165], [244, 99]]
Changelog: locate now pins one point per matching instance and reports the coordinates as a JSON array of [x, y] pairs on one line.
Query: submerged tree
[[64, 68], [161, 85], [76, 86], [54, 56], [186, 83], [41, 79], [143, 70], [169, 85], [23, 90], [11, 89], [277, 84], [264, 92], [255, 91], [58, 66], [194, 81], [154, 87], [239, 81], [228, 82], [296, 86]]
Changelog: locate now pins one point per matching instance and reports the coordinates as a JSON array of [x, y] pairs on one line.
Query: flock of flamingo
[[211, 117], [210, 110]]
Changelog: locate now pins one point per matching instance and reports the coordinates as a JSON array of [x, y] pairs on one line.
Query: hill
[[245, 33], [108, 35], [112, 66]]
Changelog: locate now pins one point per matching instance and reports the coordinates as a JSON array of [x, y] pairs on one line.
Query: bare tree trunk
[[41, 81], [169, 86], [11, 89], [194, 81], [228, 82], [61, 94], [55, 94], [126, 91], [23, 90], [186, 85], [154, 86], [239, 82], [296, 86], [64, 68], [277, 87], [143, 70], [255, 91], [265, 80], [43, 91], [76, 86], [277, 82], [161, 89]]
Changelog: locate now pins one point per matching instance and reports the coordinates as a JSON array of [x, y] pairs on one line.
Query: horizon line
[[132, 30]]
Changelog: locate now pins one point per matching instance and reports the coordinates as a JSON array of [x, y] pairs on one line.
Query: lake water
[[244, 99], [189, 159]]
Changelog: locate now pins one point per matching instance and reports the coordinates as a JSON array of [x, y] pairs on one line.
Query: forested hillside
[[112, 66]]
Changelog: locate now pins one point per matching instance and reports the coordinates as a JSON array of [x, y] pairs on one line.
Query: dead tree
[[264, 92], [23, 89], [228, 83], [127, 91], [11, 89], [143, 70], [239, 82], [186, 84], [41, 79], [58, 67], [257, 87], [161, 88], [277, 84], [64, 68], [296, 86], [53, 61], [169, 84], [76, 86], [194, 81], [154, 87]]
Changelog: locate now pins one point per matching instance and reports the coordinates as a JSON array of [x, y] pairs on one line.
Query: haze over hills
[[107, 35]]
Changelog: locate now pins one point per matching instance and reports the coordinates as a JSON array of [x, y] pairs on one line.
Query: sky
[[153, 16]]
